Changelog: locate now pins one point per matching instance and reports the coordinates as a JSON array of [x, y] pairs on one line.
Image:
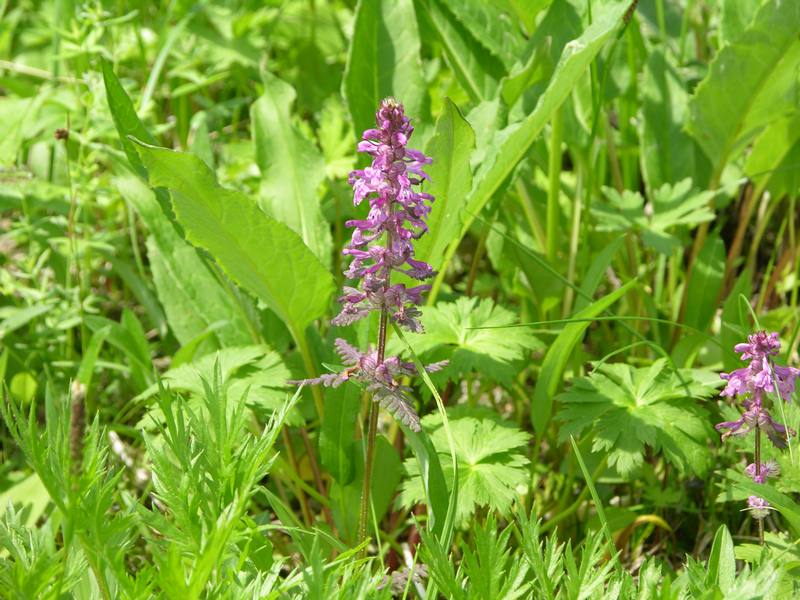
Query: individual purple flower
[[382, 242], [758, 507], [768, 469], [756, 415]]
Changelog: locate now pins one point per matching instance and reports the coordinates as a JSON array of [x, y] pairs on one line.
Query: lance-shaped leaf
[[383, 60], [259, 253], [292, 168], [751, 82], [515, 140], [451, 180]]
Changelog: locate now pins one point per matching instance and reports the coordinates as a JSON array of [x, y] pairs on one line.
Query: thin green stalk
[[572, 508], [554, 180], [372, 431], [758, 475]]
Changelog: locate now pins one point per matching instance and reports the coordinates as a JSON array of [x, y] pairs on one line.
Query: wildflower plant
[[752, 384], [380, 244]]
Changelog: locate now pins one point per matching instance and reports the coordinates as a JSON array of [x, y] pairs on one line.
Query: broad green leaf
[[625, 409], [491, 27], [262, 255], [475, 335], [192, 297], [555, 361], [491, 461], [515, 140], [721, 561], [704, 284], [744, 487], [337, 434], [451, 180], [475, 69], [750, 83], [667, 151], [383, 60], [735, 320], [12, 317], [292, 168], [596, 272], [735, 16], [771, 149]]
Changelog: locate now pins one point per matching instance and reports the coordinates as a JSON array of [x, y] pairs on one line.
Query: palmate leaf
[[455, 330], [626, 409], [670, 207], [491, 461]]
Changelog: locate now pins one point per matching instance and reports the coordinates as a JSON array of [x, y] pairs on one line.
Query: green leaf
[[431, 479], [192, 297], [475, 69], [772, 148], [721, 561], [491, 461], [667, 150], [491, 27], [383, 60], [625, 409], [750, 83], [451, 180], [704, 284], [262, 255], [475, 335], [253, 373], [125, 118], [337, 434], [671, 207], [555, 361], [515, 140], [292, 168]]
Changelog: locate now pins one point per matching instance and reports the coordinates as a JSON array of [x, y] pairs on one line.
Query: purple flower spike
[[756, 415], [382, 242]]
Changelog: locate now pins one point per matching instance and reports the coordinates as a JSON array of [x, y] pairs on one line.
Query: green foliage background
[[616, 188]]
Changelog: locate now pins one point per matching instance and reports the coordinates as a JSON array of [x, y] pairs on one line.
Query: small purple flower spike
[[768, 469], [758, 507], [382, 242]]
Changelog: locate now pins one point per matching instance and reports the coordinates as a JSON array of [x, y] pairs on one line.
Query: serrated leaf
[[750, 83], [491, 461], [625, 409], [475, 335], [671, 207], [555, 361], [383, 60], [262, 255], [292, 168], [451, 180], [491, 27], [475, 69]]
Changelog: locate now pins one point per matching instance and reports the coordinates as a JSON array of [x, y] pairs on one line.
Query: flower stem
[[371, 435], [758, 476]]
